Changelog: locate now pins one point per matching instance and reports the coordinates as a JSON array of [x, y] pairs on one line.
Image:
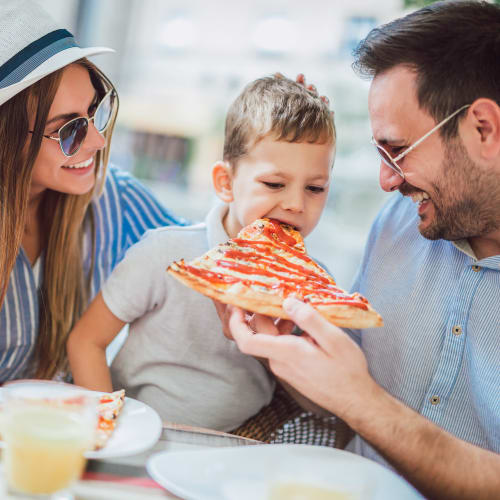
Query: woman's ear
[[222, 178]]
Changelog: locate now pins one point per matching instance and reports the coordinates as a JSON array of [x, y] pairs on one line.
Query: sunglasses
[[72, 134]]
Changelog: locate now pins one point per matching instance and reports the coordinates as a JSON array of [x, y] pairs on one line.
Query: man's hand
[[254, 322], [323, 364], [312, 88]]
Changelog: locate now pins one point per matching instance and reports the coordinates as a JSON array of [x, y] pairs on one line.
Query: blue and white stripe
[[439, 349], [36, 53], [124, 211]]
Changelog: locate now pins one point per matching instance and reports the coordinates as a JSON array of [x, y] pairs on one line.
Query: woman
[[64, 224]]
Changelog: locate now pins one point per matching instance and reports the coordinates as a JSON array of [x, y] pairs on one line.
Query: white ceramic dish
[[248, 472], [138, 429]]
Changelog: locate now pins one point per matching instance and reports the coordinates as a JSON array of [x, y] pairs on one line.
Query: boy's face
[[280, 180]]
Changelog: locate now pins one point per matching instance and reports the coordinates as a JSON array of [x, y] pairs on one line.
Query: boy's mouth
[[297, 228]]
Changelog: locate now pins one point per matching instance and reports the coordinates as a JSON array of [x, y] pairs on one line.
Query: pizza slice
[[264, 264], [109, 407]]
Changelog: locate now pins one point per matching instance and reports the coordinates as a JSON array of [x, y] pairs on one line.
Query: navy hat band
[[25, 61]]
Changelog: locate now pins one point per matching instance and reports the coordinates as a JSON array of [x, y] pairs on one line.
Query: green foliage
[[419, 3], [416, 4]]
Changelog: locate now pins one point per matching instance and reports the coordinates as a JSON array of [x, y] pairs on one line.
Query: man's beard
[[466, 198]]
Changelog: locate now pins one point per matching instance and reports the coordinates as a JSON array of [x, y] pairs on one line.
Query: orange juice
[[44, 449]]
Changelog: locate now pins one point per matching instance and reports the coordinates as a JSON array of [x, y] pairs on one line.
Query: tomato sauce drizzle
[[303, 282], [277, 233], [274, 262]]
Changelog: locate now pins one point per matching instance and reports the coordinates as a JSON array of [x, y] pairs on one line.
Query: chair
[[283, 420]]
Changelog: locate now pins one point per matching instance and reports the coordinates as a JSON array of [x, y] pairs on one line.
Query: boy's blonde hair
[[278, 107]]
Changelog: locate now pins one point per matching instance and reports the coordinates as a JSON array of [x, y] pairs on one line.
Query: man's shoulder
[[395, 231], [399, 211]]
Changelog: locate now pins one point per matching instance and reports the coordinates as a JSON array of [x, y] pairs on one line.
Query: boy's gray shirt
[[176, 358]]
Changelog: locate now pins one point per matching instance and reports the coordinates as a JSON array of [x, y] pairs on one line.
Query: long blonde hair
[[65, 218]]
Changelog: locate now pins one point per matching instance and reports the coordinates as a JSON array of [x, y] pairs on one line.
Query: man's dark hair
[[454, 48]]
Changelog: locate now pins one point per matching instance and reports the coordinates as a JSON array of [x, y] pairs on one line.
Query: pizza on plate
[[109, 407], [264, 264]]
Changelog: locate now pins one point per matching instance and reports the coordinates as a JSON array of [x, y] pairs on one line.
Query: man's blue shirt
[[438, 351]]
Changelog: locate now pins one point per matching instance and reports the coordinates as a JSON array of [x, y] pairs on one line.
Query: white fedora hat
[[33, 45]]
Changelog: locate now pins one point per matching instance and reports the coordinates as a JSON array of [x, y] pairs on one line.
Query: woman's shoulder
[[129, 200], [119, 182]]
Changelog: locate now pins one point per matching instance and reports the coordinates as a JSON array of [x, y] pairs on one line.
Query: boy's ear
[[222, 179]]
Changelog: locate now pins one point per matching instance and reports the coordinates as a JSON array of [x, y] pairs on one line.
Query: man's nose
[[389, 179]]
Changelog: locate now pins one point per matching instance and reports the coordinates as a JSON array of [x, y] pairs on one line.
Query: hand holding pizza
[[325, 364], [256, 322]]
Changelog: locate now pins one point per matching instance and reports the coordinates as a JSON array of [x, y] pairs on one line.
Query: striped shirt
[[123, 212], [439, 349]]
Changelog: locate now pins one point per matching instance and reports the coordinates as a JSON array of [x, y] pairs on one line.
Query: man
[[422, 393]]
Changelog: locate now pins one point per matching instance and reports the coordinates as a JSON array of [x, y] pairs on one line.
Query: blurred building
[[180, 63]]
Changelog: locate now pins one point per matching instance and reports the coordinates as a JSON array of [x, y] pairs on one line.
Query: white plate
[[248, 472], [138, 428]]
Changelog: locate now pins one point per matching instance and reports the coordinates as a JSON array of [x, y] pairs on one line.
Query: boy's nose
[[293, 203]]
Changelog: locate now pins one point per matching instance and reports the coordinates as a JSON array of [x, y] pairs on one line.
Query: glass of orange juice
[[46, 427]]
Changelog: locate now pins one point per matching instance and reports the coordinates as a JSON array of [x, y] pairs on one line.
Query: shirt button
[[435, 400], [476, 268], [457, 330]]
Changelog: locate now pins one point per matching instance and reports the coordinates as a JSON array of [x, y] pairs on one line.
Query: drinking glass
[[46, 427]]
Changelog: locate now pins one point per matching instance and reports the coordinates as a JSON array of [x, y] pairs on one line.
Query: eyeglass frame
[[89, 119], [394, 166]]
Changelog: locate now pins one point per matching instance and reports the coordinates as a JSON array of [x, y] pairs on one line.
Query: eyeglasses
[[72, 134], [393, 162]]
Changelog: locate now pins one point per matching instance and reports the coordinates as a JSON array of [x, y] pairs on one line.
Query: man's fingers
[[259, 344], [311, 321]]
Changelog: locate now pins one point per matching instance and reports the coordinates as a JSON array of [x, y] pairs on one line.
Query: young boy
[[278, 153]]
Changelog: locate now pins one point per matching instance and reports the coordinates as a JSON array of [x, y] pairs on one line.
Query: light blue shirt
[[123, 212], [439, 351]]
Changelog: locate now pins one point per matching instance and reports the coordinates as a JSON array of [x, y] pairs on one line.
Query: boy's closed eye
[[316, 189], [273, 185], [279, 185]]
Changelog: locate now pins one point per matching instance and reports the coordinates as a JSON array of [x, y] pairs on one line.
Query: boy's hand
[[224, 313]]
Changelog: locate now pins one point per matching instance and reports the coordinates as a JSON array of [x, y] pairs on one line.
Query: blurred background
[[180, 63]]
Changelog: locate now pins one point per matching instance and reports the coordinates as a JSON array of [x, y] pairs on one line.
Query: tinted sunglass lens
[[72, 135], [103, 112]]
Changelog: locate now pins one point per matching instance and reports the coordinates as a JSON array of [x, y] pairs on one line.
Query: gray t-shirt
[[176, 358]]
